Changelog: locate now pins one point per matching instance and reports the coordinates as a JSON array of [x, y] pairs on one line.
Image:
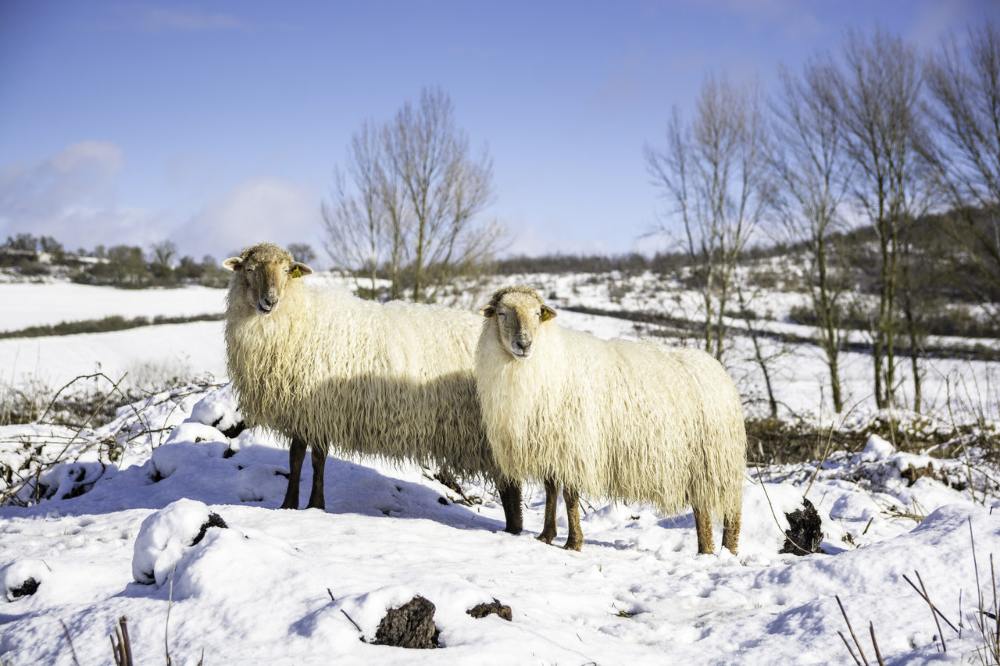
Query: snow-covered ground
[[32, 304], [259, 590], [953, 388]]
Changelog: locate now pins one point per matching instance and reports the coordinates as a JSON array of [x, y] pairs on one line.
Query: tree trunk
[[418, 264], [758, 354], [909, 315], [829, 323]]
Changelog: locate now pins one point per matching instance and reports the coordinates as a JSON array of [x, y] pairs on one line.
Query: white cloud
[[263, 209], [71, 196]]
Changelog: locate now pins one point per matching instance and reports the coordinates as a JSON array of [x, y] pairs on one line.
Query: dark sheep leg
[[296, 454], [551, 502], [510, 498], [316, 499]]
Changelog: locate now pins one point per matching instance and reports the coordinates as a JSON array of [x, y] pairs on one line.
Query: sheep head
[[519, 313], [263, 272]]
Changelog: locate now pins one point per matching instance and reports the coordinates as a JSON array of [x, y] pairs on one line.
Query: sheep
[[629, 421], [329, 370]]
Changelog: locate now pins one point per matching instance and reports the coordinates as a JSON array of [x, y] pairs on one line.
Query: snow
[[260, 590], [163, 538], [876, 449], [15, 576], [30, 304], [147, 354], [110, 535]]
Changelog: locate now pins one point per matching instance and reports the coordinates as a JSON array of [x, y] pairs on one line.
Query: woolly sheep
[[624, 420], [327, 369]]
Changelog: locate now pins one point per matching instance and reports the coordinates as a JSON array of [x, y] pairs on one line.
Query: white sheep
[[329, 370], [623, 420]]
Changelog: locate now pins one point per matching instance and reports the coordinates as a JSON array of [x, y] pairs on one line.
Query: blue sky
[[218, 124]]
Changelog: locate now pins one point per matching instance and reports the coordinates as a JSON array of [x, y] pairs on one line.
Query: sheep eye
[[502, 315]]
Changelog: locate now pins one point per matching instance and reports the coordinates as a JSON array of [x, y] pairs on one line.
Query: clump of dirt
[[805, 531], [26, 589], [214, 520], [409, 626], [495, 608]]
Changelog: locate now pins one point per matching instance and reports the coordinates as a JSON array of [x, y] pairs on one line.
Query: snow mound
[[165, 536], [180, 452], [218, 409], [231, 568], [68, 480], [22, 578], [876, 449]]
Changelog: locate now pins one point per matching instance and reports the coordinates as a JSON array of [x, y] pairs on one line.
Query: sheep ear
[[232, 263], [299, 269], [548, 313], [488, 311]]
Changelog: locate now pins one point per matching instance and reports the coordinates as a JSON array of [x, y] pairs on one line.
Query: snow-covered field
[[289, 586], [260, 590], [32, 304], [953, 388]]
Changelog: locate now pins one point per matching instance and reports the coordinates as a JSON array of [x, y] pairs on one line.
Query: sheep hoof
[[317, 505], [288, 505], [546, 537], [573, 545]]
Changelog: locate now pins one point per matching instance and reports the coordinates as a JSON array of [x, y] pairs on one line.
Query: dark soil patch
[[26, 589], [804, 533], [214, 520], [495, 608], [409, 626]]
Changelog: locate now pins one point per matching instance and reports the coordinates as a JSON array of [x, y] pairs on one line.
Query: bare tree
[[445, 189], [812, 175], [879, 88], [964, 111], [162, 256], [410, 200], [302, 252], [712, 172], [355, 219]]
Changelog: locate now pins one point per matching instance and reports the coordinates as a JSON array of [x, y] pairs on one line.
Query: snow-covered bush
[[165, 535], [22, 578]]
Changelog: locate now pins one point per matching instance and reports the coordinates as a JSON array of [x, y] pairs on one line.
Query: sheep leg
[[703, 525], [575, 539], [296, 454], [316, 500], [731, 532], [551, 501], [510, 499]]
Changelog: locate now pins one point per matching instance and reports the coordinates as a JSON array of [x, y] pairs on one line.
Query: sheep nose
[[522, 346], [266, 303]]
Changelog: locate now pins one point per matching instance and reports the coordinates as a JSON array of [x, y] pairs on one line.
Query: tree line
[[129, 266]]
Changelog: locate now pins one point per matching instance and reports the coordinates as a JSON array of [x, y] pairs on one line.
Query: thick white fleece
[[623, 420], [391, 380]]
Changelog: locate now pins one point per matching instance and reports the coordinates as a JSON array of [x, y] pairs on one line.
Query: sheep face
[[262, 274], [519, 314]]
